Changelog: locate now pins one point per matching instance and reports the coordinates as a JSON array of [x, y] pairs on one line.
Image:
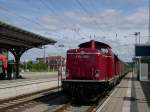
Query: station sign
[[142, 50]]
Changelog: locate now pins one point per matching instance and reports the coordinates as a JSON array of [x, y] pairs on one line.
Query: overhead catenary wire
[[52, 9], [96, 9], [34, 22], [61, 18], [88, 14]]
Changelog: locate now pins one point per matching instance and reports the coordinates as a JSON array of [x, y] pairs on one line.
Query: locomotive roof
[[98, 44]]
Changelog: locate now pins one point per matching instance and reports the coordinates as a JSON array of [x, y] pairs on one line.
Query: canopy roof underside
[[13, 37]]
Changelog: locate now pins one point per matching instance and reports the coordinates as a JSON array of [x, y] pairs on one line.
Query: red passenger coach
[[90, 69]]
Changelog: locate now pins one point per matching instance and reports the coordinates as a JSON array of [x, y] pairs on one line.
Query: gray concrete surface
[[129, 96], [10, 90], [32, 82], [38, 75]]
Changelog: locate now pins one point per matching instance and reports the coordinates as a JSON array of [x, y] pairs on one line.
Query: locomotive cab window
[[103, 50]]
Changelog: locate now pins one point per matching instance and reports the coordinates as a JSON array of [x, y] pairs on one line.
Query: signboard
[[142, 50]]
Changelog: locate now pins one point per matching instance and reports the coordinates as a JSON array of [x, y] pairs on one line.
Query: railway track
[[69, 107], [9, 104], [82, 107], [91, 106], [50, 101]]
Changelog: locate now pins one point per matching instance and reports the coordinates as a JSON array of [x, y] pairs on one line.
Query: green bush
[[35, 67], [39, 67]]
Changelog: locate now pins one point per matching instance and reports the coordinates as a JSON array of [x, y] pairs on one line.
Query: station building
[[53, 62]]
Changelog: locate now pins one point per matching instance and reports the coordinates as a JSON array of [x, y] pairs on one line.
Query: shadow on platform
[[137, 99], [146, 90]]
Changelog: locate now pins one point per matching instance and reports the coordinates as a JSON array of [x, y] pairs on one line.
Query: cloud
[[72, 27], [136, 20], [107, 19], [104, 23]]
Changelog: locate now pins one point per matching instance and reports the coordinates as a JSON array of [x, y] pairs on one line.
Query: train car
[[90, 69], [3, 66]]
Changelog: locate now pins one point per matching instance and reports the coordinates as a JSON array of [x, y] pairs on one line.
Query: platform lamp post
[[136, 37], [135, 63], [60, 67], [148, 41], [136, 42], [44, 56], [26, 65]]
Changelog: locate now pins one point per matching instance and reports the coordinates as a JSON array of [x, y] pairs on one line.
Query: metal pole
[[149, 20], [136, 39], [58, 79], [139, 38], [44, 55], [61, 67], [149, 23], [140, 68]]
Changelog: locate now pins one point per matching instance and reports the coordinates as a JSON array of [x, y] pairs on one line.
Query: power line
[[21, 16], [52, 9], [86, 11], [92, 3], [27, 19]]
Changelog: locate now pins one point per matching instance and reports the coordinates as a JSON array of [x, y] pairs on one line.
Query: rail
[[15, 102]]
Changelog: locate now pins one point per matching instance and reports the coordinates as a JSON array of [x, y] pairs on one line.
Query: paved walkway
[[129, 96]]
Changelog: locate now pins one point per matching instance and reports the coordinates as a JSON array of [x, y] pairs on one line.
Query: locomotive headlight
[[97, 74]]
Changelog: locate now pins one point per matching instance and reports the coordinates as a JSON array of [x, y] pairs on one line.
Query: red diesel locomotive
[[91, 68]]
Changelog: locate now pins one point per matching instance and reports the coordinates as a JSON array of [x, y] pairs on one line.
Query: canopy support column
[[17, 54]]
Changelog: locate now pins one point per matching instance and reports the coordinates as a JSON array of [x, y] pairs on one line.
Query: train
[[90, 69]]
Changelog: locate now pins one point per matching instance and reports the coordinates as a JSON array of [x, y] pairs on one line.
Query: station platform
[[128, 96], [15, 88], [32, 82], [39, 75]]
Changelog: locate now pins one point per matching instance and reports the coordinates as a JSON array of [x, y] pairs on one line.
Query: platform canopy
[[11, 36], [17, 40]]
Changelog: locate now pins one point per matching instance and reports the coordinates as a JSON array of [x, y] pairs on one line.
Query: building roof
[[11, 36]]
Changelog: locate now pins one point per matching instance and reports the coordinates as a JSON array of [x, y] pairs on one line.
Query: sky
[[71, 22]]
